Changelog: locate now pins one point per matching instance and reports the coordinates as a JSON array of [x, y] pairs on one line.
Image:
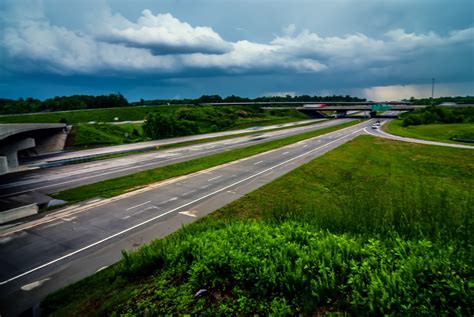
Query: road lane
[[59, 252], [57, 179]]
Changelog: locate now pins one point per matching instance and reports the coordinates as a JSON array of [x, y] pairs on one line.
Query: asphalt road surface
[[44, 255], [57, 158], [56, 179]]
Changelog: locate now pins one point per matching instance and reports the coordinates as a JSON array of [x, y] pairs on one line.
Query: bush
[[433, 114]]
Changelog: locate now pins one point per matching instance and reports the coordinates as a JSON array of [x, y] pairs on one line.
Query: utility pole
[[432, 89]]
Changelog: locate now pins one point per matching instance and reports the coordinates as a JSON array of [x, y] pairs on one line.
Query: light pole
[[432, 89]]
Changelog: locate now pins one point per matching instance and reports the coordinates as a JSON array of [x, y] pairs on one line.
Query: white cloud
[[163, 34], [357, 49]]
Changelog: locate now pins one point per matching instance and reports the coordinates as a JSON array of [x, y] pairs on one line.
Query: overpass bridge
[[29, 139], [314, 109]]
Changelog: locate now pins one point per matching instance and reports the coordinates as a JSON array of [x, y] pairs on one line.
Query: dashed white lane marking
[[140, 211], [258, 163], [190, 192], [205, 186], [286, 152], [251, 177], [146, 202], [305, 145], [214, 178], [102, 268], [69, 219], [29, 287]]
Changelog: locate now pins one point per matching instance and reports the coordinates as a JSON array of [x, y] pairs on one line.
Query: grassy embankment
[[120, 185], [374, 227], [442, 132]]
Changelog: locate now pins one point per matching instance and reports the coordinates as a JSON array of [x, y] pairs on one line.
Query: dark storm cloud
[[301, 47]]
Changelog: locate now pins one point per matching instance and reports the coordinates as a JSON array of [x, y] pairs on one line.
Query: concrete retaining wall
[[18, 213]]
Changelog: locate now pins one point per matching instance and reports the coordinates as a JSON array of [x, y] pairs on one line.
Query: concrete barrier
[[18, 213]]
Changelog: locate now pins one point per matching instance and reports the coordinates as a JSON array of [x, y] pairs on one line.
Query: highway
[[46, 254], [59, 178], [68, 156]]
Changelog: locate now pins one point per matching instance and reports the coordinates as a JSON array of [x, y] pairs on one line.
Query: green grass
[[433, 132], [134, 114], [375, 227], [123, 184], [81, 116], [94, 135]]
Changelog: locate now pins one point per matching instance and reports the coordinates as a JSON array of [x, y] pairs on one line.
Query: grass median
[[117, 186], [375, 227]]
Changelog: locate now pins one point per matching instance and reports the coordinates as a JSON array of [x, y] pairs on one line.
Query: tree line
[[75, 102], [438, 114]]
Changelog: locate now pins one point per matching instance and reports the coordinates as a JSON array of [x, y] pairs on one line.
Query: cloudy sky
[[381, 50]]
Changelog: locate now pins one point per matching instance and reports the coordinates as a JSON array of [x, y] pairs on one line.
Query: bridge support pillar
[[341, 113], [3, 165], [10, 151]]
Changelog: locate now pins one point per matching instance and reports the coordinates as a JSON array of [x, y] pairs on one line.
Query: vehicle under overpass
[[29, 139]]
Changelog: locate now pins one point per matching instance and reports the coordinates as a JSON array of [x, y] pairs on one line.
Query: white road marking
[[188, 213], [172, 210], [140, 211], [52, 224], [171, 199], [29, 287], [286, 152], [258, 163], [305, 145], [146, 202], [214, 178], [69, 219], [102, 268], [205, 186], [187, 193]]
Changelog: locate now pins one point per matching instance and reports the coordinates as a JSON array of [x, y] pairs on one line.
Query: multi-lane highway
[[44, 255], [64, 177]]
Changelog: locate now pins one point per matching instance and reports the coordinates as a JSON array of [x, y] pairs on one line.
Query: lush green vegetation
[[433, 132], [86, 135], [134, 113], [216, 98], [120, 185], [434, 114], [440, 100], [205, 119], [375, 227], [76, 102]]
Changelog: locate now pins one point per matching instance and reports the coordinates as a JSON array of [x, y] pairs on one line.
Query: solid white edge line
[[170, 211]]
